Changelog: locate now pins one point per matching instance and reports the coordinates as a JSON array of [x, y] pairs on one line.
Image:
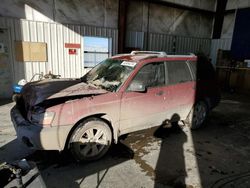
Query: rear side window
[[178, 72], [151, 75], [193, 66]]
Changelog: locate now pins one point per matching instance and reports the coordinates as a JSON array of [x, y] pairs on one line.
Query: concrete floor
[[217, 155]]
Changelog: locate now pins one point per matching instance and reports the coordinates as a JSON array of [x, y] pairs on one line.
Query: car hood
[[36, 92]]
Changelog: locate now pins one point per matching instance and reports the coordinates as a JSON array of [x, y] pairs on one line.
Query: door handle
[[159, 93]]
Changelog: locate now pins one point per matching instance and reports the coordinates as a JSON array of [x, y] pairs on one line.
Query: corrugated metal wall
[[223, 44], [134, 39], [160, 42], [193, 45], [55, 35], [169, 43], [60, 62]]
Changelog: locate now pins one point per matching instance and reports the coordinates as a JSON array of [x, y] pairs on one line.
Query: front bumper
[[38, 137]]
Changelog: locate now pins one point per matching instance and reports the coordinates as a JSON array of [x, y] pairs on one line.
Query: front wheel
[[90, 140], [198, 115]]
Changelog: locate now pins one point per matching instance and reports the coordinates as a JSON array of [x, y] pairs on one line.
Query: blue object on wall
[[240, 47]]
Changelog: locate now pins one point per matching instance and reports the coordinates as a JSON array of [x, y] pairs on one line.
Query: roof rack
[[161, 53], [182, 55], [148, 52]]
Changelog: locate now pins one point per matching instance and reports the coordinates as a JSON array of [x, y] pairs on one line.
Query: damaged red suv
[[122, 94]]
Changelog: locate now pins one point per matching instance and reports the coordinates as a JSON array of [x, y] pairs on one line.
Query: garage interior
[[58, 36]]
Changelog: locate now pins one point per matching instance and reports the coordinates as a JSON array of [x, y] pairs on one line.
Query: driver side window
[[151, 75]]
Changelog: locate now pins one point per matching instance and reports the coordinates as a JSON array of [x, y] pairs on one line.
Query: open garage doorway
[[5, 70]]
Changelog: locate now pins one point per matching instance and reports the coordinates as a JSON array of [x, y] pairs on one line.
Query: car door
[[180, 89], [140, 110]]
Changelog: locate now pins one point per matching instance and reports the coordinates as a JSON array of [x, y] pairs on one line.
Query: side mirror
[[135, 87]]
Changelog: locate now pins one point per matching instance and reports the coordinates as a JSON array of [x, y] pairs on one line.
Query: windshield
[[110, 74]]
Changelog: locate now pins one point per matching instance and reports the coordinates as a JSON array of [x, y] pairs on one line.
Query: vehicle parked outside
[[122, 94]]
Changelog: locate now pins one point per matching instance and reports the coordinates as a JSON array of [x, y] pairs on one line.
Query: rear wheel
[[90, 140], [198, 115]]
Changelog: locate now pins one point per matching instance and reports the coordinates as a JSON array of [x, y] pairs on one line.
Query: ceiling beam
[[179, 6]]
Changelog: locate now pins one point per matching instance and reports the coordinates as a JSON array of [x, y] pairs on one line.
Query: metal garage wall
[[55, 35], [134, 39], [192, 45], [223, 44], [169, 43], [161, 42], [178, 44]]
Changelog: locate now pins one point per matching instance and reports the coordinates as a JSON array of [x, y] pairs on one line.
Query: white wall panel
[[54, 45], [55, 36], [40, 38], [60, 47], [47, 39]]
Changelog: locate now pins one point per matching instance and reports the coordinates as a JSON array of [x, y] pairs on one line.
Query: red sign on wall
[[72, 45], [72, 51]]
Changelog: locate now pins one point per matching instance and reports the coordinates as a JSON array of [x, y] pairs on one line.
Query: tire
[[197, 115], [90, 140]]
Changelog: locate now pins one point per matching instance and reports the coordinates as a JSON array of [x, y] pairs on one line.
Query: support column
[[219, 18], [122, 18]]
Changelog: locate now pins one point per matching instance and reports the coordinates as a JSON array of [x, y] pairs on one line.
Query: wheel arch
[[102, 116], [206, 100]]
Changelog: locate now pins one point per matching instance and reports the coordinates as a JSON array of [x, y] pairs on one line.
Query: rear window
[[178, 72]]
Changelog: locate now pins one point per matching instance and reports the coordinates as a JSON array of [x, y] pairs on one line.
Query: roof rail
[[181, 55], [148, 52], [161, 53]]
